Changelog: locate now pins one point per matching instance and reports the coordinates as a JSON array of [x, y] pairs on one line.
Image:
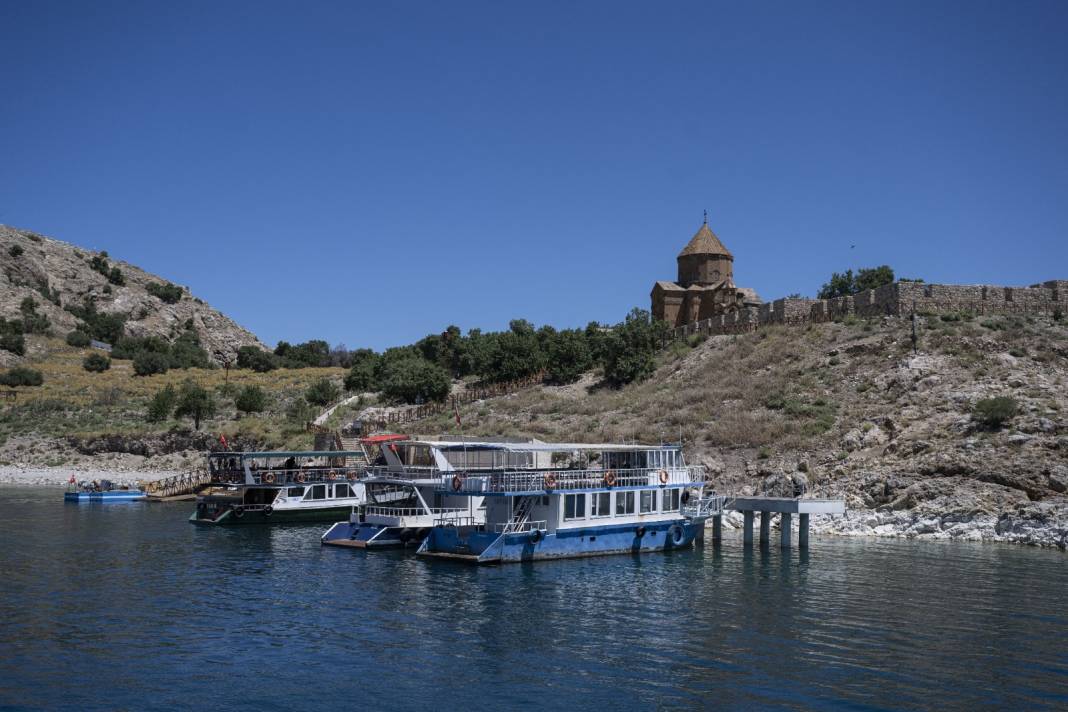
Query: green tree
[[415, 380], [630, 351], [361, 376], [194, 402], [147, 363], [96, 363], [567, 356], [993, 413], [116, 277], [846, 284], [161, 405], [251, 399], [78, 339], [167, 293], [323, 392], [15, 343], [32, 321], [186, 352], [841, 285], [256, 359]]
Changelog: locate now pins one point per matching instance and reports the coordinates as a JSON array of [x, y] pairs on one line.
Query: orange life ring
[[457, 483], [663, 477], [269, 478], [609, 478], [300, 477], [550, 481]]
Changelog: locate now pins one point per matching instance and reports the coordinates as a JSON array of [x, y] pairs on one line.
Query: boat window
[[316, 492], [671, 500], [647, 501], [574, 506], [342, 491], [602, 504], [296, 492], [624, 503]]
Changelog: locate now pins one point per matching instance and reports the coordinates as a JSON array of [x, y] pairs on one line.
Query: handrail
[[291, 476], [521, 527], [704, 507], [556, 480]]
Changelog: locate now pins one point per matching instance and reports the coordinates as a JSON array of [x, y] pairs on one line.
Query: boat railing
[[521, 527], [704, 507], [289, 476], [563, 480]]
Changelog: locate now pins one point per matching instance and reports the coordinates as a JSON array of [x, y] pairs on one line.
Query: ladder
[[521, 514]]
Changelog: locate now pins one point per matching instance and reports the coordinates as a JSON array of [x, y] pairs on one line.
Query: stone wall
[[897, 299]]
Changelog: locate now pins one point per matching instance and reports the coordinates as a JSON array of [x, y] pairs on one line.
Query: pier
[[786, 508]]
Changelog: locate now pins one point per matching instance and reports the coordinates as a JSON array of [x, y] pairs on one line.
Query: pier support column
[[765, 528], [786, 523], [747, 528], [717, 528], [802, 532]]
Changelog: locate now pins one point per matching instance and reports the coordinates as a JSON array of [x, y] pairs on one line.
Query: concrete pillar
[[765, 528], [802, 532], [786, 523], [717, 527], [747, 528]]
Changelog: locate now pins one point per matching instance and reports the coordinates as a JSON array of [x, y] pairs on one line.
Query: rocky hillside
[[58, 275], [848, 409]]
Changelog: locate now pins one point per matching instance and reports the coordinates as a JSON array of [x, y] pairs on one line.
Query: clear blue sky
[[369, 172]]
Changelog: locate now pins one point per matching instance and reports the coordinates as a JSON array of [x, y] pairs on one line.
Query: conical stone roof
[[705, 242]]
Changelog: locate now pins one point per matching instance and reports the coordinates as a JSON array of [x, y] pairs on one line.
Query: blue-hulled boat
[[533, 501], [103, 491]]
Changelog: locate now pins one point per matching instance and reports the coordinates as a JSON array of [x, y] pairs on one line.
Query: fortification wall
[[897, 299]]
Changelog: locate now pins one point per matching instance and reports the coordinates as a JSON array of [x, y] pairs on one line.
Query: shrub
[[78, 339], [194, 402], [300, 412], [105, 327], [15, 251], [161, 405], [116, 277], [322, 392], [21, 376], [96, 363], [630, 349], [147, 363], [993, 413], [361, 376], [15, 343], [567, 356], [256, 359], [167, 293], [415, 380], [251, 399], [32, 322]]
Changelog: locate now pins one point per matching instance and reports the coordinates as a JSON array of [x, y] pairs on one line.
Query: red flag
[[222, 439]]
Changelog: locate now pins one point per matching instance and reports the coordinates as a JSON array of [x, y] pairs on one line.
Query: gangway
[[177, 487]]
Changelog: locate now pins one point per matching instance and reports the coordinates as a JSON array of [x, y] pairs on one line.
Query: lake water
[[131, 607]]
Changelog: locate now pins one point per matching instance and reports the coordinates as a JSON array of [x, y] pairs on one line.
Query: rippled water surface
[[130, 607]]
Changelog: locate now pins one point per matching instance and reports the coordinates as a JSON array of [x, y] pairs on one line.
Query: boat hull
[[372, 536], [487, 548], [278, 516], [110, 496]]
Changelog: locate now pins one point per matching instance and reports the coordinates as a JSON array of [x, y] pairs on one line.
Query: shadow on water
[[158, 613]]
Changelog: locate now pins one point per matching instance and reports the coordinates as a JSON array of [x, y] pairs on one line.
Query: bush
[[15, 343], [194, 402], [78, 339], [322, 392], [415, 380], [251, 399], [300, 412], [993, 413], [147, 363], [21, 376], [167, 293], [32, 322], [256, 359], [161, 405], [567, 356], [96, 363], [630, 350], [15, 251], [116, 277], [105, 327]]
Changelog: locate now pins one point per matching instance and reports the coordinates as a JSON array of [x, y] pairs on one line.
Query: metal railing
[[704, 507], [291, 476], [557, 480], [521, 527]]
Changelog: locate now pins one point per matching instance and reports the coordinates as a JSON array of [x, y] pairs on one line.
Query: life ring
[[639, 532], [300, 477], [663, 474], [268, 510], [609, 478], [269, 478], [457, 483], [535, 536], [550, 481], [676, 535], [238, 513]]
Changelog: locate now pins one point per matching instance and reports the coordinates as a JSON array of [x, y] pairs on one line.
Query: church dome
[[705, 242]]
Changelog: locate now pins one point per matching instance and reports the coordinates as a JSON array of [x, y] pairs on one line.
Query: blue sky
[[369, 172]]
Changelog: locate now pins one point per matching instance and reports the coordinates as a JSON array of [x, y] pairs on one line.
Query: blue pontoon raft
[[102, 491]]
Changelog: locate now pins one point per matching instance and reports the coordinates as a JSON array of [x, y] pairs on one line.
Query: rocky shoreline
[[60, 476]]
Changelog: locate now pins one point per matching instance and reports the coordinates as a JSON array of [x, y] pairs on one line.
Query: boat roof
[[449, 445], [286, 453]]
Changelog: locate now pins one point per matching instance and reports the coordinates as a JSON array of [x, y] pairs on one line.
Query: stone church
[[705, 287]]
